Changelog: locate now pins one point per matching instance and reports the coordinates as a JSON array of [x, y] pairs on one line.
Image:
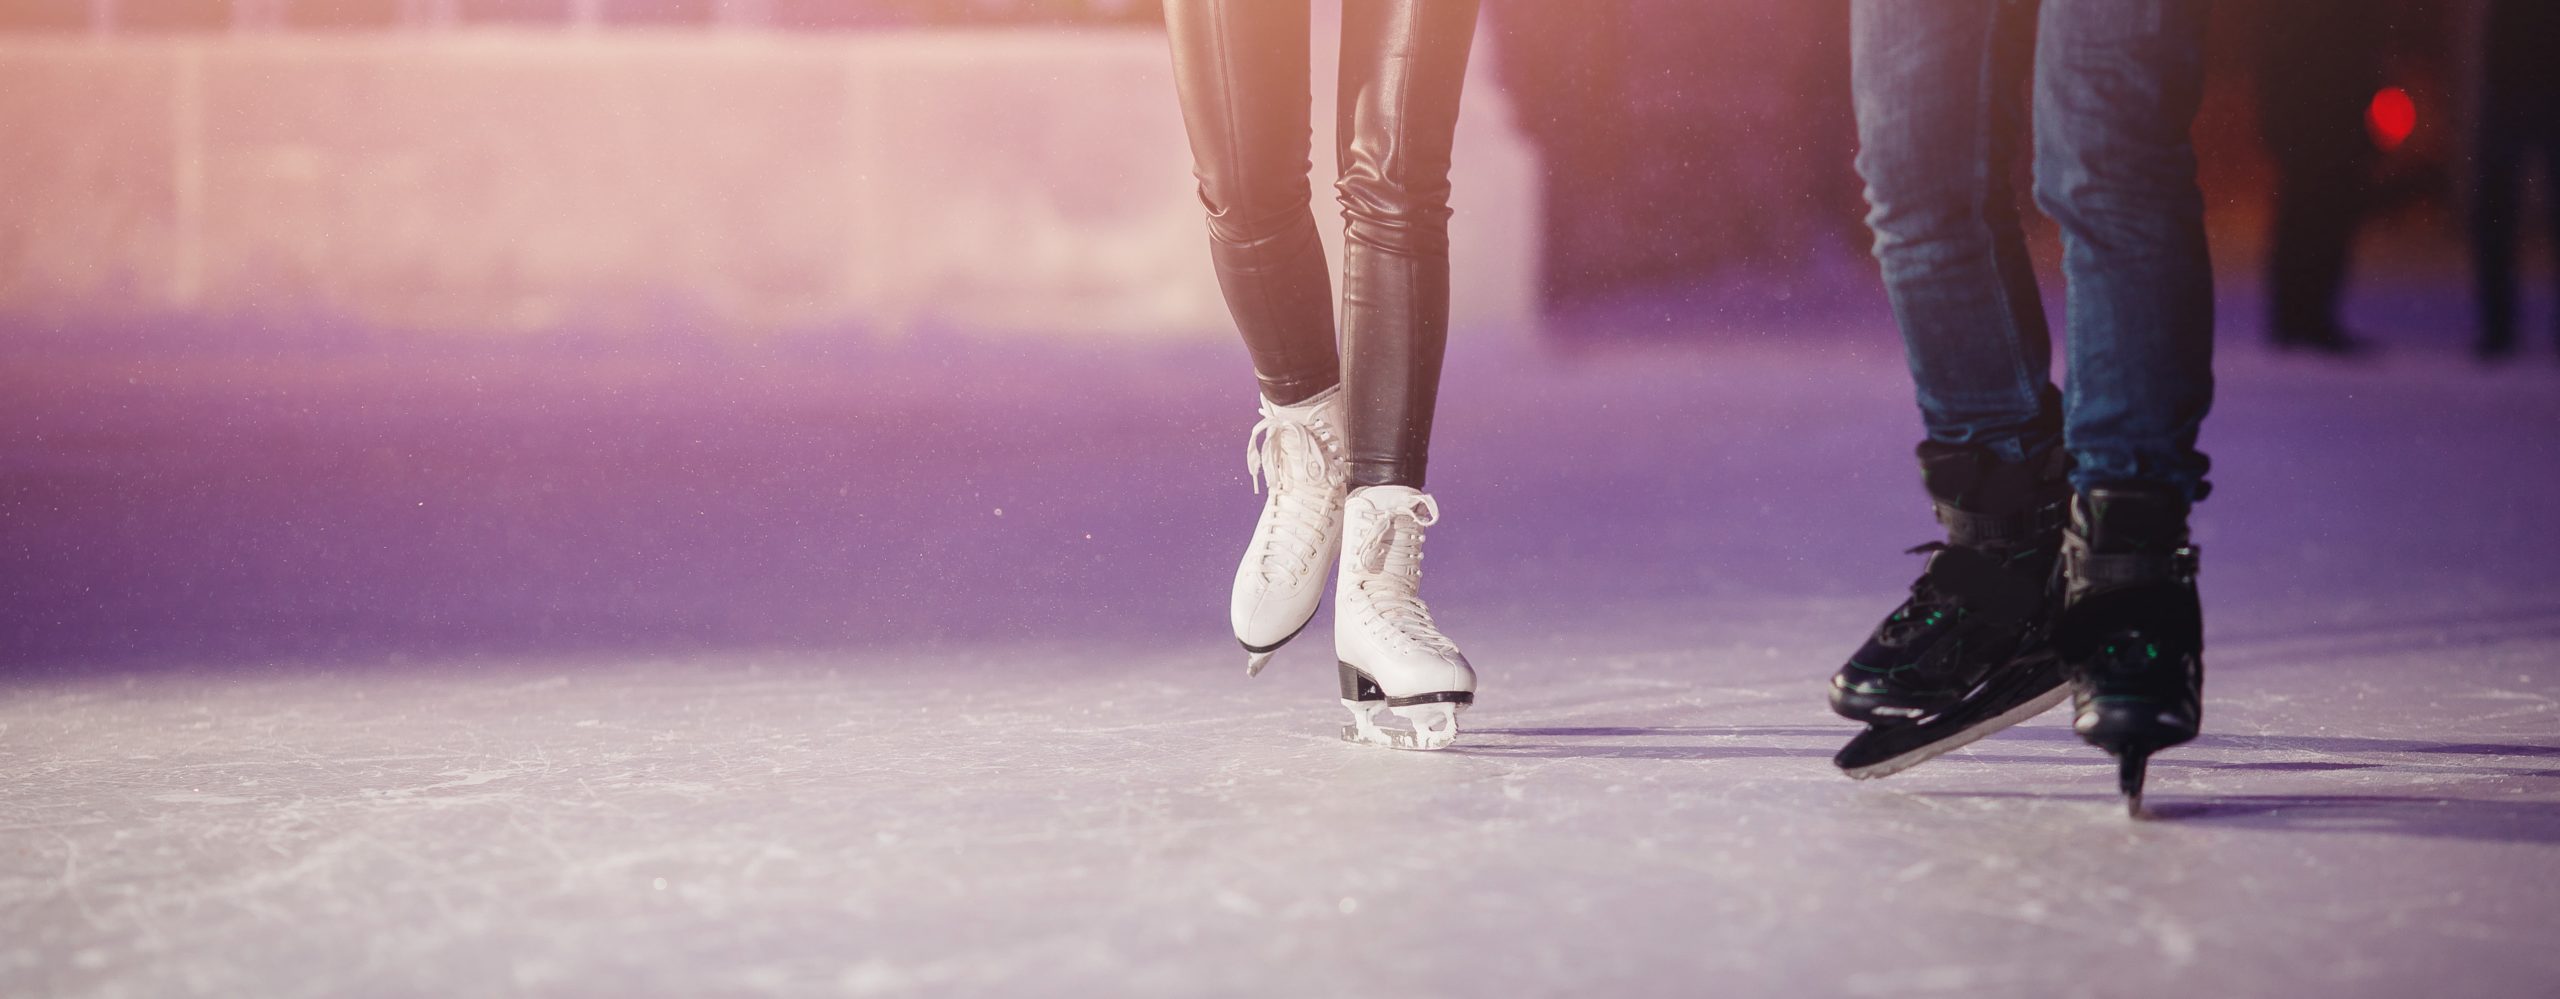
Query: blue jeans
[[1942, 94]]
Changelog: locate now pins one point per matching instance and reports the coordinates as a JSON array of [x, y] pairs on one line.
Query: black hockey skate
[[1967, 655], [2131, 630]]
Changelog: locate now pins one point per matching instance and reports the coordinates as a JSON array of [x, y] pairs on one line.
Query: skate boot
[[1297, 453], [1967, 654], [2131, 629], [1392, 658]]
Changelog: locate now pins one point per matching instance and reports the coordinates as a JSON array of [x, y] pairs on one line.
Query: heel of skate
[[2131, 729], [2131, 733]]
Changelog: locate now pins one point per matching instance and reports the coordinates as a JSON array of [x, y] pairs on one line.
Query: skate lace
[[1392, 559], [1924, 611], [1295, 458]]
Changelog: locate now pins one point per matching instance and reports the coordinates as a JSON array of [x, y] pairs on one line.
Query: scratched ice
[[727, 676]]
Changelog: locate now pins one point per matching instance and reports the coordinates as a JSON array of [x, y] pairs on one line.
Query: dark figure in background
[[2318, 63], [2519, 117], [1344, 432]]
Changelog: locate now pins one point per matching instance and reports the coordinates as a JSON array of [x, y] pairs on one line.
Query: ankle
[[1299, 397]]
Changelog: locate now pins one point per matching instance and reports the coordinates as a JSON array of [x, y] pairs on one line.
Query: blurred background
[[426, 327], [748, 165], [724, 497]]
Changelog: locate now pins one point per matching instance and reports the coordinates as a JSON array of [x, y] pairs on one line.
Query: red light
[[2390, 118]]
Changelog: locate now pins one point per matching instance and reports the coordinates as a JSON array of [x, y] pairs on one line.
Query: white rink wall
[[1000, 182]]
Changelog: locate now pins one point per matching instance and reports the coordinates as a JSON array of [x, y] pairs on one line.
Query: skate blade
[[1434, 726], [1254, 662], [2130, 768], [1932, 745]]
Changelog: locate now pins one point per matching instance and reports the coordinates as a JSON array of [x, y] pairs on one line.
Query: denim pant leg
[[1940, 87], [2116, 88]]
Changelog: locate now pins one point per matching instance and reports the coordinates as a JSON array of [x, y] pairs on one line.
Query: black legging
[[1241, 69]]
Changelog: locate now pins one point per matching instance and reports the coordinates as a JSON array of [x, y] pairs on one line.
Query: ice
[[336, 672]]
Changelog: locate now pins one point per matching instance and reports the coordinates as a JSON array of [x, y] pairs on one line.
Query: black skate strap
[[2092, 570], [1967, 529]]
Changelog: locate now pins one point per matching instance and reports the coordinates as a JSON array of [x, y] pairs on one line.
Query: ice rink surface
[[902, 671]]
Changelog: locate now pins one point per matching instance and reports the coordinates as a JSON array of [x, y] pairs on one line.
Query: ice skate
[[1295, 456], [1967, 654], [2013, 692], [1393, 659], [2132, 630]]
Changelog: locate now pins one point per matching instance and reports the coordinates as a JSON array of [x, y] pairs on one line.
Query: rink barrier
[[1004, 181]]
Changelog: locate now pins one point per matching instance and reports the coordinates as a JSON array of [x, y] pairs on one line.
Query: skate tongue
[[1387, 523]]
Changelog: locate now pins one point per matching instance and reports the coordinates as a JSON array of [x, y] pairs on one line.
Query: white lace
[[1296, 458], [1392, 561]]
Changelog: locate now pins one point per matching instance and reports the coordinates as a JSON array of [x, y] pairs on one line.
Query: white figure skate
[[1393, 660], [1297, 455]]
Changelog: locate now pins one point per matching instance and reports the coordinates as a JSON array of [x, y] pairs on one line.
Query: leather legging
[[1241, 69]]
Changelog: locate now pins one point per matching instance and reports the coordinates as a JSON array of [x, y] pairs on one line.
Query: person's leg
[[1404, 63], [2319, 197], [2117, 87], [2497, 159], [2549, 121], [1240, 68], [1941, 108], [2317, 63], [2289, 319], [2519, 100]]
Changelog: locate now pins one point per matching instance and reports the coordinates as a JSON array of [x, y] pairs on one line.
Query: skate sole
[[1870, 709], [1928, 744]]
